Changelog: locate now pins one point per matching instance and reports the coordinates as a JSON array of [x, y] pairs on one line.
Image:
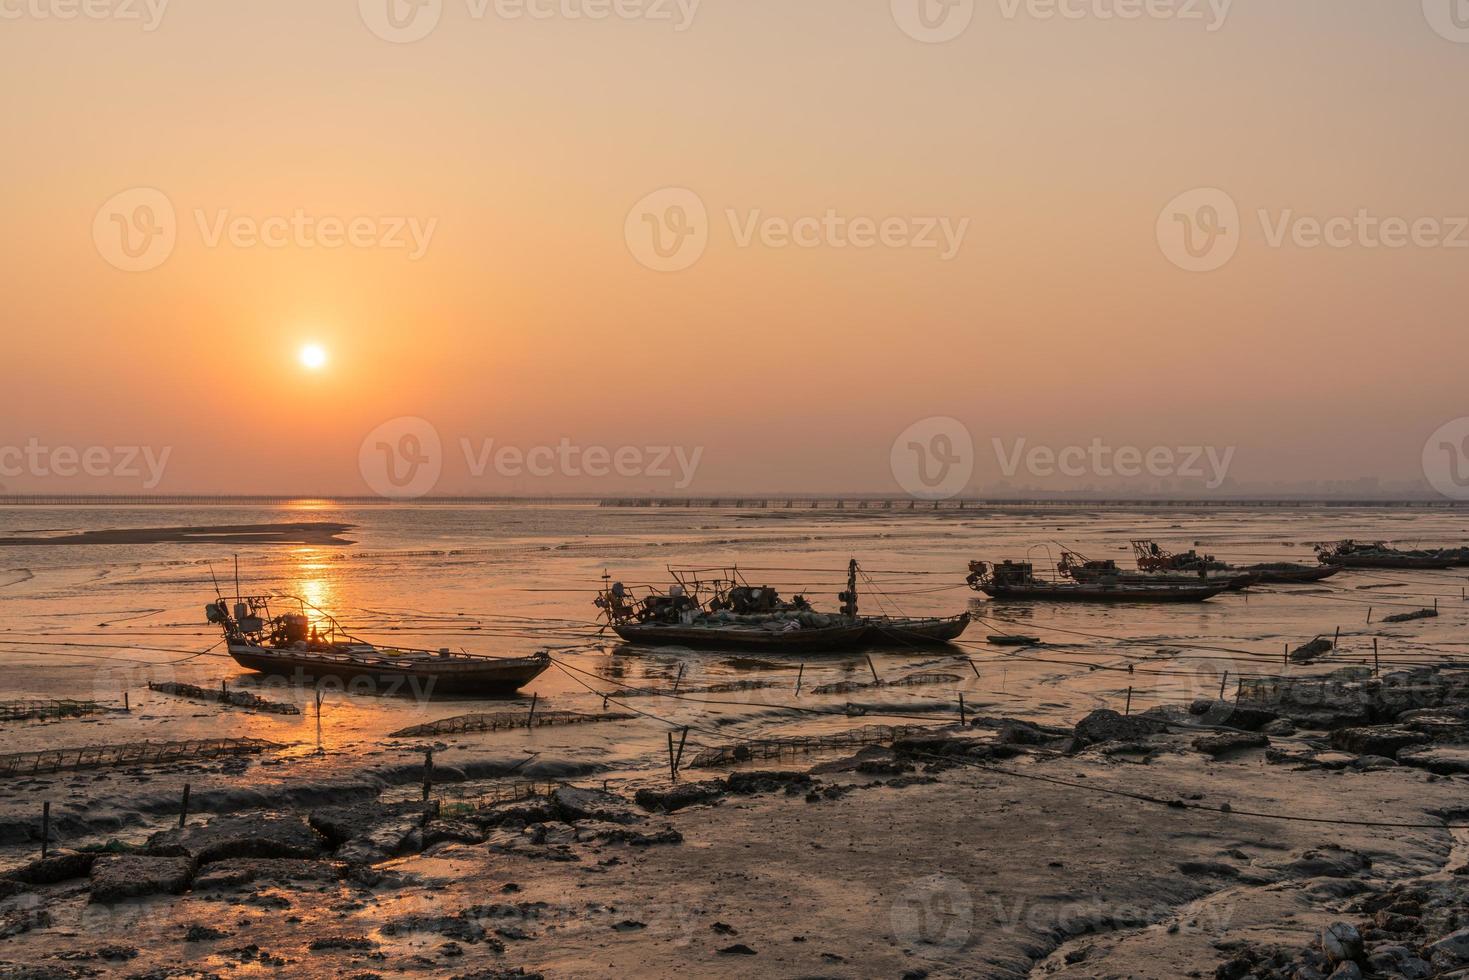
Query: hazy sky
[[993, 232]]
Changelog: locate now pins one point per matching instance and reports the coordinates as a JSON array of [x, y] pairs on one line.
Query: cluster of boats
[[720, 609]]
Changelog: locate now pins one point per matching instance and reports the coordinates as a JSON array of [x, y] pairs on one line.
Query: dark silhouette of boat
[[1011, 580], [1080, 568], [1284, 572], [719, 609], [292, 646], [1356, 554]]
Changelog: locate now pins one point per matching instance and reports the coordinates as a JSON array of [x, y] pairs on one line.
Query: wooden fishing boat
[[906, 629], [1079, 568], [719, 609], [1354, 554], [294, 647], [1016, 581], [1284, 572]]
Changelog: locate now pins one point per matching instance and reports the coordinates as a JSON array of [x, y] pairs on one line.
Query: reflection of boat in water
[[1377, 554], [1012, 580], [292, 646], [725, 611]]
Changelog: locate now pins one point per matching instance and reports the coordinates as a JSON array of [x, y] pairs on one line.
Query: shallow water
[[94, 622]]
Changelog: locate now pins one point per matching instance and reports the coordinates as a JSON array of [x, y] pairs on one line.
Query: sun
[[313, 357]]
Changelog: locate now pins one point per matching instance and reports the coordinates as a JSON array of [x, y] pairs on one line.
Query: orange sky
[[528, 319]]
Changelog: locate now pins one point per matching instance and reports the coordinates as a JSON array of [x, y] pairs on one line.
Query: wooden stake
[[800, 674], [1369, 615], [224, 690], [672, 767], [875, 678], [45, 829], [530, 718], [1222, 681], [961, 710], [428, 773], [126, 705], [1128, 710], [1376, 663], [1337, 639], [972, 667], [679, 679], [184, 807], [319, 749], [678, 759]]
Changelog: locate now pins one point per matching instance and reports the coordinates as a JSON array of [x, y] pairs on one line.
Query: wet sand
[[961, 872]]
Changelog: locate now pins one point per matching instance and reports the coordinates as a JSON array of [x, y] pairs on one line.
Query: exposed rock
[[1280, 727], [766, 781], [61, 866], [457, 831], [600, 832], [1446, 760], [265, 835], [679, 796], [1251, 718], [572, 803], [1341, 942], [1106, 725], [1314, 650], [339, 824], [1225, 743], [119, 876], [1384, 740], [234, 872]]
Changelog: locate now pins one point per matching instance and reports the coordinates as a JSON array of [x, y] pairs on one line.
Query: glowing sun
[[313, 357]]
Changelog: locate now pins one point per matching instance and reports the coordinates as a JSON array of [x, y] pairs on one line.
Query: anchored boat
[[718, 608], [1012, 580], [1357, 554], [1080, 568], [291, 645]]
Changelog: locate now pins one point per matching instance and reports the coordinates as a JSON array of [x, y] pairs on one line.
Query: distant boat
[[1013, 580], [1080, 568], [1356, 554], [291, 646]]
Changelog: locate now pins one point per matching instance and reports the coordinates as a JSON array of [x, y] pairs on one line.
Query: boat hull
[[1301, 573], [425, 679], [933, 630], [744, 638], [1393, 561]]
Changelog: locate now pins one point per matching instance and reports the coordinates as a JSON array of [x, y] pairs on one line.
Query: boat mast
[[849, 597]]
